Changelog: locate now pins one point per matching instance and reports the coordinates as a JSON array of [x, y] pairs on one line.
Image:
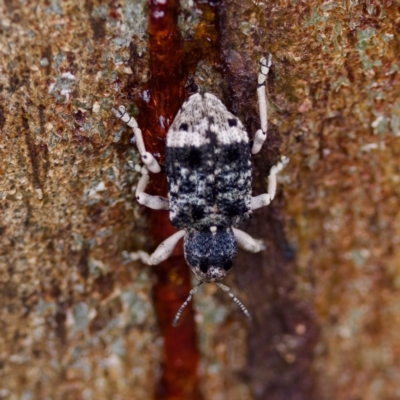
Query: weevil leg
[[264, 199], [261, 134], [147, 157], [164, 250], [153, 202], [246, 242]]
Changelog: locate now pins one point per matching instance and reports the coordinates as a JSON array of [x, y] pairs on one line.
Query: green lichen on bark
[[75, 303]]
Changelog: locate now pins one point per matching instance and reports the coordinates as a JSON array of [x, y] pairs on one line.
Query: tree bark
[[76, 303]]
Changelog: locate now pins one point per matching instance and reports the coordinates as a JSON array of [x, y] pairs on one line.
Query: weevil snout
[[215, 274]]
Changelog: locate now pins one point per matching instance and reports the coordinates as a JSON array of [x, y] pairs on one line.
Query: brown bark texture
[[80, 314]]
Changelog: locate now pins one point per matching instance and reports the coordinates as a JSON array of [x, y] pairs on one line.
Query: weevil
[[208, 166]]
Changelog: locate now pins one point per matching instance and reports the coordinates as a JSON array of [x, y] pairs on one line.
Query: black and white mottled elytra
[[208, 166]]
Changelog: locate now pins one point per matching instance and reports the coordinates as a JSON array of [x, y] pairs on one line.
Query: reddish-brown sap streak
[[167, 72], [166, 94]]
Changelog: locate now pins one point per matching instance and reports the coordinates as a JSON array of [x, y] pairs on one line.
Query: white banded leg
[[164, 250], [246, 242], [153, 202], [261, 134], [264, 199], [147, 157]]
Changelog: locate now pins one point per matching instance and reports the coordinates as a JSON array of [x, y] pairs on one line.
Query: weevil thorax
[[210, 252]]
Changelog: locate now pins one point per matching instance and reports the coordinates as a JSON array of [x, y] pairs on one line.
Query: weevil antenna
[[235, 299], [187, 301]]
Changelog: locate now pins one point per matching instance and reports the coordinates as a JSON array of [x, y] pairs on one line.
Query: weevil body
[[209, 179], [208, 166]]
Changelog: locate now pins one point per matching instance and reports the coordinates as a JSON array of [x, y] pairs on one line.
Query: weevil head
[[210, 253]]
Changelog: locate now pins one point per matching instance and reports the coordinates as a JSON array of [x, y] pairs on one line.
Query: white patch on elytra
[[200, 116]]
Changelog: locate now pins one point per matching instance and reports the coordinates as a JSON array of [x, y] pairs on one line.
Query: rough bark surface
[[76, 312]]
